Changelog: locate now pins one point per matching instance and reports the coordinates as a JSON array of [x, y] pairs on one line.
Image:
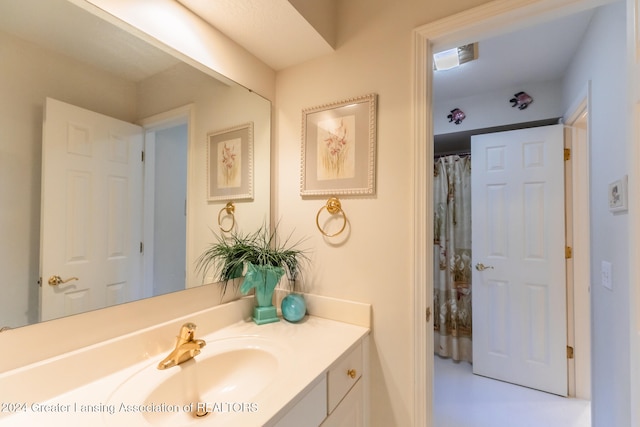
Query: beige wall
[[374, 263], [24, 85]]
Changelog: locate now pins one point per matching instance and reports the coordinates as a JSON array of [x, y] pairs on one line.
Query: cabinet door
[[350, 412], [309, 411]]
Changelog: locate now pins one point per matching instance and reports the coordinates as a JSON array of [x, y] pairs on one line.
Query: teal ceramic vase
[[262, 278], [293, 307]]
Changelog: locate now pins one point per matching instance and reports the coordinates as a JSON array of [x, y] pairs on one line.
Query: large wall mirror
[[62, 64]]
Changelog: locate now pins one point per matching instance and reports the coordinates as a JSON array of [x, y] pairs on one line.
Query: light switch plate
[[605, 271]]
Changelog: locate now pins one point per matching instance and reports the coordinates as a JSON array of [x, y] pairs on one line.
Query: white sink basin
[[224, 379]]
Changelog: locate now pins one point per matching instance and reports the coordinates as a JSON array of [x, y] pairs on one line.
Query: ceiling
[[273, 31], [279, 35], [536, 54]]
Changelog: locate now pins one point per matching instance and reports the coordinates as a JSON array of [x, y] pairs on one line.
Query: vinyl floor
[[462, 399]]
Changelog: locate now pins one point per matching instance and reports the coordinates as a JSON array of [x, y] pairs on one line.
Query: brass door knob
[[352, 373], [57, 280], [481, 267]]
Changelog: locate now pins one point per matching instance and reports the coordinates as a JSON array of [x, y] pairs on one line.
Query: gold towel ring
[[334, 207], [230, 209]]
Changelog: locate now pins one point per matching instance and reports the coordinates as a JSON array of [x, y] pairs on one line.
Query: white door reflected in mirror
[[91, 210]]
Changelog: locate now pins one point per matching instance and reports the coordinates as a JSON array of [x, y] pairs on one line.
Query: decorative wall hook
[[230, 210], [334, 207], [456, 116], [521, 100]]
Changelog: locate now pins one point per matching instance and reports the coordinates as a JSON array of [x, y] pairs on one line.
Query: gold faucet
[[186, 347]]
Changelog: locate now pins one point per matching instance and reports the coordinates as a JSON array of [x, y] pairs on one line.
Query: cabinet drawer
[[342, 376]]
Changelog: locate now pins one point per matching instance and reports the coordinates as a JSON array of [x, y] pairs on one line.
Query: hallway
[[462, 399]]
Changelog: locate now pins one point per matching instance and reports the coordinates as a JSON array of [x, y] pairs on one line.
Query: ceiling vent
[[452, 58]]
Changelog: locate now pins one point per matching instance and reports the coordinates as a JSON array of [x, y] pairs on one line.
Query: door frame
[[151, 125], [496, 17], [579, 273]]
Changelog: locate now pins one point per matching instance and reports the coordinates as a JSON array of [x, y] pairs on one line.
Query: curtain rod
[[461, 154]]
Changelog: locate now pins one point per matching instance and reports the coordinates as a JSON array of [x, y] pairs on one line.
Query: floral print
[[452, 258], [336, 145], [230, 159]]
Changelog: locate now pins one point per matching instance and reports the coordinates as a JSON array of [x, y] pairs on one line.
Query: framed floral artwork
[[339, 148], [230, 163]]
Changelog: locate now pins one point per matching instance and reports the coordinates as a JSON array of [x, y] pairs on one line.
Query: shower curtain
[[452, 258]]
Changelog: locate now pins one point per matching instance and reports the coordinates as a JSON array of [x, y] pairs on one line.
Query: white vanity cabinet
[[309, 411], [320, 377], [345, 392], [350, 412], [337, 400]]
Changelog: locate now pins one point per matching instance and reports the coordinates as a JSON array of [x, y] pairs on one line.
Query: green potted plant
[[261, 257]]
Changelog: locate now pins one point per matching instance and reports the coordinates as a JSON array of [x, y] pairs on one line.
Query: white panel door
[[518, 234], [91, 224]]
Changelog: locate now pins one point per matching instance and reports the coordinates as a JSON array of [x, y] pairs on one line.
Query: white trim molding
[[423, 232], [580, 303]]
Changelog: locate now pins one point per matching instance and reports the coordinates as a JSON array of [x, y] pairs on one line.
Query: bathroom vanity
[[281, 374], [337, 399]]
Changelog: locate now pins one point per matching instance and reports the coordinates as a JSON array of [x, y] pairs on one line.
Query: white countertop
[[309, 347]]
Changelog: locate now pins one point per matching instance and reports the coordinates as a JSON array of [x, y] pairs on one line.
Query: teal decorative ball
[[293, 307]]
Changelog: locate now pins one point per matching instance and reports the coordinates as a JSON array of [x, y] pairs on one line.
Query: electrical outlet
[[605, 271]]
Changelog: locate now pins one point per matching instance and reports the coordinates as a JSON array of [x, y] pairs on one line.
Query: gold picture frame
[[230, 163], [339, 148]]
